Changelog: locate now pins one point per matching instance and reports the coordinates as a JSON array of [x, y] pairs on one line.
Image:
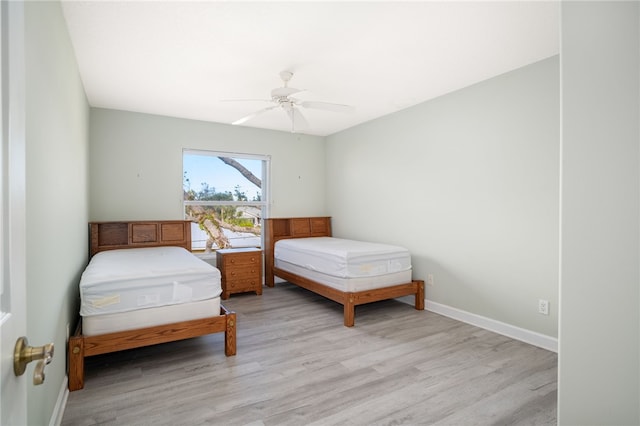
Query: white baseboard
[[61, 403], [527, 336]]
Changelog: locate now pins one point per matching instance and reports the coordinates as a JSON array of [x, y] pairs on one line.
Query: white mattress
[[343, 258], [347, 284], [125, 280], [110, 323]]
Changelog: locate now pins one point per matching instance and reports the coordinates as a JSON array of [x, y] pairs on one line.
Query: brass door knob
[[23, 354]]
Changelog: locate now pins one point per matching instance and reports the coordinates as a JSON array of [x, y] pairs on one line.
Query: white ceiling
[[182, 58]]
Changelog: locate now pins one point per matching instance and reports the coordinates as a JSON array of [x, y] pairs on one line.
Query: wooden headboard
[[120, 235], [290, 227]]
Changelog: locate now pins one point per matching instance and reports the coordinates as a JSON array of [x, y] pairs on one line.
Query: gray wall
[[57, 118], [136, 164], [469, 184], [599, 371]]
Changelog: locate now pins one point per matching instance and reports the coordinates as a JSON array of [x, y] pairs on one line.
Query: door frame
[[13, 393]]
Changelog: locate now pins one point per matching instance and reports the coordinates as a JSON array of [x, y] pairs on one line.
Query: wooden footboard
[[278, 229], [81, 346], [350, 300]]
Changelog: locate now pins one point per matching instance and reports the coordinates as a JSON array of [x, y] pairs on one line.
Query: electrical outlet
[[430, 279], [543, 307]]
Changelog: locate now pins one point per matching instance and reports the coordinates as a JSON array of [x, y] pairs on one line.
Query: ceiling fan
[[281, 97]]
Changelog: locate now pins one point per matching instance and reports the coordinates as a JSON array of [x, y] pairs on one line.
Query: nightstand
[[241, 270]]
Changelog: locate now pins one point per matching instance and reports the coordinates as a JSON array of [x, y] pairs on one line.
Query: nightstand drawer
[[251, 272], [242, 260], [243, 284]]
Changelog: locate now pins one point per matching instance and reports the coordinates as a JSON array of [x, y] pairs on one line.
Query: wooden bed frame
[[302, 227], [119, 235]]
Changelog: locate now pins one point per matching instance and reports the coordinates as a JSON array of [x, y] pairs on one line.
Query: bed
[[342, 286], [117, 315]]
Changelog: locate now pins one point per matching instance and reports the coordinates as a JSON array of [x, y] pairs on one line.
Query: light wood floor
[[298, 365]]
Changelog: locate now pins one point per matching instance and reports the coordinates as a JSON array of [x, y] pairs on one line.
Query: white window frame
[[264, 191]]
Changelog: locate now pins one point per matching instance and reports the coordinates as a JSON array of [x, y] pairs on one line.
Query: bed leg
[[76, 363], [349, 311], [419, 295], [269, 279], [230, 335]]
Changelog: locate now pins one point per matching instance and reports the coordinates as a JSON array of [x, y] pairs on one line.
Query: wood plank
[[112, 342], [135, 234], [75, 349]]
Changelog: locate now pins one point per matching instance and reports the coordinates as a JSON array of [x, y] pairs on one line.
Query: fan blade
[[298, 122], [327, 106], [251, 116], [246, 100]]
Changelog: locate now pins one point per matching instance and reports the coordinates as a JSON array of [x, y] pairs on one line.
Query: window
[[225, 196]]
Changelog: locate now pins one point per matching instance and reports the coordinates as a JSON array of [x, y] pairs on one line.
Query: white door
[[13, 394]]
